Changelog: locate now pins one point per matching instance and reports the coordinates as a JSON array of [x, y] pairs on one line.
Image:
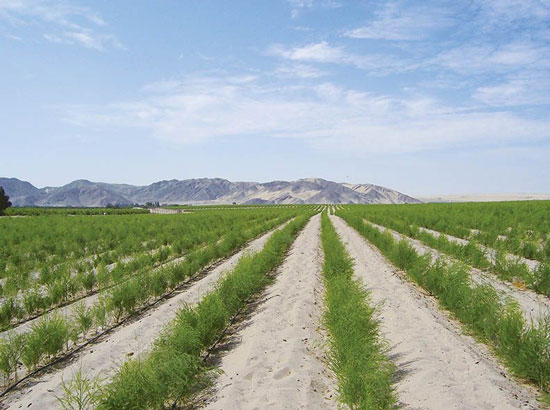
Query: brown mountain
[[83, 193]]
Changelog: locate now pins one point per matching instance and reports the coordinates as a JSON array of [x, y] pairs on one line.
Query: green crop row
[[524, 347], [357, 352], [521, 228], [119, 302], [471, 253], [61, 286], [173, 370], [44, 211]]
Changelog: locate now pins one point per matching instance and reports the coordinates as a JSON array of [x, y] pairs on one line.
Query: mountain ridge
[[85, 193]]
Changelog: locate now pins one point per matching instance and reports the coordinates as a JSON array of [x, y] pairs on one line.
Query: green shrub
[[47, 337], [11, 349]]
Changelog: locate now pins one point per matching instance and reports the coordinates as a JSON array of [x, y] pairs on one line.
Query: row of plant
[[357, 351], [30, 245], [174, 369], [61, 287], [523, 347], [54, 334], [500, 263], [228, 206], [37, 247], [39, 211], [520, 228], [33, 244]]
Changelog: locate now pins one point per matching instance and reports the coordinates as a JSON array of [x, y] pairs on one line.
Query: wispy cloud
[[521, 89], [396, 22], [297, 6], [298, 71], [327, 116], [471, 59], [323, 52], [60, 22], [504, 12], [13, 37], [320, 52]]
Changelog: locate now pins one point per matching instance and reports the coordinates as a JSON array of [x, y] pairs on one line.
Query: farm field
[[424, 306]]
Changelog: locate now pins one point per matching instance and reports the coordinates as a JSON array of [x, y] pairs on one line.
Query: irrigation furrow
[[275, 359], [533, 305], [88, 299], [490, 253], [105, 356], [438, 366]]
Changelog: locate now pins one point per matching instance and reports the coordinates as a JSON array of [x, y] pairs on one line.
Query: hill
[[84, 193]]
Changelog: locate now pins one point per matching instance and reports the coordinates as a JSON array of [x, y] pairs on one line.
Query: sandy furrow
[[438, 367], [532, 304], [69, 309], [88, 299], [278, 360], [107, 355], [490, 253]]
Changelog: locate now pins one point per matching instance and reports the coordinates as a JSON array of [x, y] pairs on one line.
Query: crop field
[[424, 306]]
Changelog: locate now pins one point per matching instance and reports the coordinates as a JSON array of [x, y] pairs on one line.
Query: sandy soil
[[88, 301], [69, 308], [107, 355], [438, 367], [531, 303], [278, 359], [485, 197], [489, 252]]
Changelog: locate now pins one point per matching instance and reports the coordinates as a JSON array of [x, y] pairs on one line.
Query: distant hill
[[83, 193]]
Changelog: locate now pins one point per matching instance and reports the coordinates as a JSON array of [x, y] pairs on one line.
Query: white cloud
[[530, 88], [395, 22], [298, 71], [506, 11], [319, 52], [61, 22], [297, 6], [323, 52], [13, 37], [327, 116], [471, 59]]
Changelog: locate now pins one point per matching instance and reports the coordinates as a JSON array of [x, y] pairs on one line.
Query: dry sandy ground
[[485, 197], [106, 356], [278, 360], [438, 367], [532, 304]]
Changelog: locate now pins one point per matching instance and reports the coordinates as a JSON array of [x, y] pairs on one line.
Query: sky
[[431, 97]]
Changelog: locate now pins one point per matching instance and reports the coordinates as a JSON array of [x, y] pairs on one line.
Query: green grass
[[357, 352], [523, 347], [174, 368]]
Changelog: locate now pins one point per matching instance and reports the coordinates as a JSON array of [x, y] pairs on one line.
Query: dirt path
[[107, 355], [532, 304], [490, 253], [278, 359], [438, 367]]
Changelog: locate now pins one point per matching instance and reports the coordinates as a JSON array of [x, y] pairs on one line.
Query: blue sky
[[431, 97]]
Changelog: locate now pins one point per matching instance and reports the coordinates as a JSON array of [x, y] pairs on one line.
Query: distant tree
[[4, 201]]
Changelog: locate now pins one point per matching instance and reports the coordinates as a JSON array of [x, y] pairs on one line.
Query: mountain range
[[84, 193]]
